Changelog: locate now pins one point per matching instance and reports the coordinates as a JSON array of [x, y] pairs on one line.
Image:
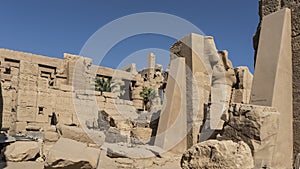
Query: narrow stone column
[[272, 83]]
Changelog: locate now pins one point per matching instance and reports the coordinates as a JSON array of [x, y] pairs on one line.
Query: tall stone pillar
[[272, 83], [172, 128], [151, 61]]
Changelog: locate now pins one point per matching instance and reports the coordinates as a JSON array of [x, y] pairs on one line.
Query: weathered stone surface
[[22, 165], [273, 73], [268, 6], [51, 136], [22, 151], [213, 154], [294, 5], [68, 153], [255, 125], [295, 20], [74, 133], [172, 128], [125, 151], [142, 134], [113, 135]]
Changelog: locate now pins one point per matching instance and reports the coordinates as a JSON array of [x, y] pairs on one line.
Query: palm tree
[[146, 94], [102, 85]]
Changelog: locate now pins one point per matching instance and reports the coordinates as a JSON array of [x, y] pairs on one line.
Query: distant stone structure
[[34, 88]]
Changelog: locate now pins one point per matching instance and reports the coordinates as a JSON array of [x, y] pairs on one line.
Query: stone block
[[50, 136], [218, 154], [273, 73], [74, 133], [27, 98], [244, 77], [29, 68], [21, 151], [65, 118], [21, 127], [257, 126], [240, 95], [142, 134], [26, 114], [68, 153]]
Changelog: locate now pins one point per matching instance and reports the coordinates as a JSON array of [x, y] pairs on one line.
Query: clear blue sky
[[54, 27]]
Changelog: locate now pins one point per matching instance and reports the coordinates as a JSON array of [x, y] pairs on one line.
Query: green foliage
[[102, 85], [146, 94]]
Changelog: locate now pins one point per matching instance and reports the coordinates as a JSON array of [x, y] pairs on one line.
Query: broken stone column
[[151, 61], [272, 83], [172, 128], [242, 89]]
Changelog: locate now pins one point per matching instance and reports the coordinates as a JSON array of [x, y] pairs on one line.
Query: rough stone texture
[[74, 133], [294, 5], [68, 153], [22, 151], [22, 165], [255, 125], [213, 154], [50, 136], [273, 73], [124, 151], [242, 89]]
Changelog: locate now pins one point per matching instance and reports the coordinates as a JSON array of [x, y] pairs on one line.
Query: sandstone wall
[[33, 87], [267, 7]]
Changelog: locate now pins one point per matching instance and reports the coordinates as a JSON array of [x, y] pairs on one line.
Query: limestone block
[[244, 77], [109, 95], [255, 125], [27, 98], [123, 151], [42, 83], [50, 136], [74, 133], [113, 135], [44, 117], [142, 134], [100, 99], [240, 95], [29, 68], [65, 118], [21, 127], [34, 126], [28, 82], [273, 73], [69, 153], [138, 104], [109, 100], [218, 154], [26, 114], [21, 151]]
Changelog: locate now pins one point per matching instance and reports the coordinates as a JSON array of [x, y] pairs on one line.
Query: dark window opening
[[7, 70], [41, 110]]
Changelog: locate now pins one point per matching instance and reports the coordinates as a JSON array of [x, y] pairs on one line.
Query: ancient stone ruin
[[200, 112]]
